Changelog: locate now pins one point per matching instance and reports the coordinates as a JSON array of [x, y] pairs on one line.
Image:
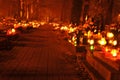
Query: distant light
[[75, 43], [110, 35], [13, 30], [92, 47], [69, 41], [65, 28], [9, 32], [102, 41], [95, 30], [106, 49], [89, 34], [91, 42], [71, 29], [86, 18], [114, 52], [119, 15], [42, 23], [110, 41], [114, 42]]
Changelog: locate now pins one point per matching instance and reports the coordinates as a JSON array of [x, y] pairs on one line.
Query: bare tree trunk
[[109, 12], [76, 11]]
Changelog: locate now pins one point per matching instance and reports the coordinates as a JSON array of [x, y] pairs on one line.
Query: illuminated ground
[[39, 55]]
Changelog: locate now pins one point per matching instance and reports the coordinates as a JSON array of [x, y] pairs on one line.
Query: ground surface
[[39, 55]]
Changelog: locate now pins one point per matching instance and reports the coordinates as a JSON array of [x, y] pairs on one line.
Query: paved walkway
[[39, 55]]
